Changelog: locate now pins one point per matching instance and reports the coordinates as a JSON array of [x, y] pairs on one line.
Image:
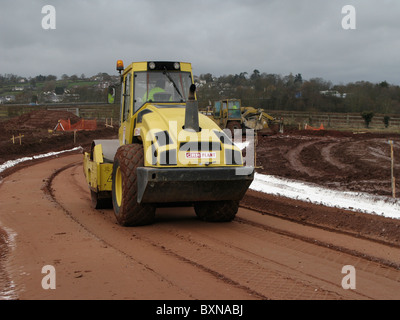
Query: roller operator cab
[[167, 153]]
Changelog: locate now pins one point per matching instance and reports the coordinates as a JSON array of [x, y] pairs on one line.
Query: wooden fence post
[[393, 179]]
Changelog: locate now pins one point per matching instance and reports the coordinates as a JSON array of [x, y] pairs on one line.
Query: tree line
[[259, 90], [39, 89], [292, 92]]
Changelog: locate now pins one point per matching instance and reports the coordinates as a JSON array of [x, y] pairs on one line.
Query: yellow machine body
[[187, 156]]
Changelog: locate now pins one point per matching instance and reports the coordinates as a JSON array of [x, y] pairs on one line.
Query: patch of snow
[[11, 163], [353, 201]]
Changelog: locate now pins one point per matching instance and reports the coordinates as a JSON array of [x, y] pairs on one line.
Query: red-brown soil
[[350, 161], [37, 129], [276, 248]]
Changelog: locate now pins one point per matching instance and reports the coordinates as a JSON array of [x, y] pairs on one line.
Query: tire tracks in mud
[[248, 270], [7, 285], [294, 159], [298, 162], [48, 190], [342, 164], [327, 156]]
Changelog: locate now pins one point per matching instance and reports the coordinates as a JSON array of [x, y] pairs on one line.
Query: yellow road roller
[[167, 153]]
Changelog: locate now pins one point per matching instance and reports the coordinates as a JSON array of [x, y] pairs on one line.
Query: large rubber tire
[[216, 211], [124, 188]]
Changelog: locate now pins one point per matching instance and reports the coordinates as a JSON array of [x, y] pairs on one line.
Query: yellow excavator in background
[[258, 119], [229, 114]]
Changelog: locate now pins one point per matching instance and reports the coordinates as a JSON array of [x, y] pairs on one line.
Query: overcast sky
[[217, 36]]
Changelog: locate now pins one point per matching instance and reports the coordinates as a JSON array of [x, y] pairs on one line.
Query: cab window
[[161, 87], [217, 108], [234, 109]]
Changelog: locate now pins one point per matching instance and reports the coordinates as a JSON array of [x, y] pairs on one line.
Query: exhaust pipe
[[192, 111]]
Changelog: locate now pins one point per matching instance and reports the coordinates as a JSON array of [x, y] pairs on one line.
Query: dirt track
[[276, 248], [179, 257]]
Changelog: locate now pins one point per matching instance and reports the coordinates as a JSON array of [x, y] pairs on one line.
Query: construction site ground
[[276, 248]]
